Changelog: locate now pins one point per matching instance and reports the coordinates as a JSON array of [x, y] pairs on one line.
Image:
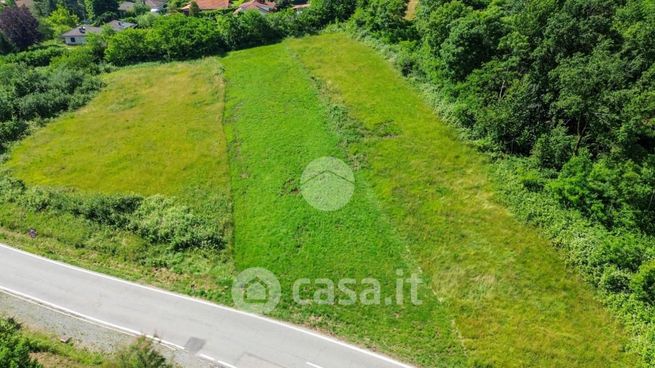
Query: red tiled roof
[[210, 4]]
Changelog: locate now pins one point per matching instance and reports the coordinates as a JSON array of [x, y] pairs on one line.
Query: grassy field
[[153, 130], [277, 124], [515, 303]]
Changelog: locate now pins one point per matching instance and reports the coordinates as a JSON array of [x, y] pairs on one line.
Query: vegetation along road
[[226, 336]]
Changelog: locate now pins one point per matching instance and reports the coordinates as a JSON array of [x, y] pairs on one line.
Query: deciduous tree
[[19, 27]]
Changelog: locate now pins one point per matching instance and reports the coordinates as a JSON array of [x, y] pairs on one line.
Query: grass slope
[[516, 304], [153, 130], [277, 125]]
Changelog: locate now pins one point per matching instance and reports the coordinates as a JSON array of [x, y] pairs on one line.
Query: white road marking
[[313, 365], [272, 321], [104, 324]]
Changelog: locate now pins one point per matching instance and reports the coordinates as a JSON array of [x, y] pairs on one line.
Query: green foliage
[[128, 47], [61, 20], [157, 219], [96, 9], [40, 56], [14, 348], [614, 194], [19, 27], [177, 37], [161, 220], [28, 94], [140, 354], [383, 18], [471, 42], [521, 83], [643, 284]]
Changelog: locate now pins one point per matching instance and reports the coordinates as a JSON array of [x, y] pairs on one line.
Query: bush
[[156, 219], [553, 149], [178, 37], [160, 220], [128, 47], [643, 283], [247, 30], [35, 57], [19, 26], [14, 348], [141, 354], [384, 18]]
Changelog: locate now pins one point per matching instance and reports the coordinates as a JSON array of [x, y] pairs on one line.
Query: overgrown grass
[[153, 130], [514, 301], [277, 124]]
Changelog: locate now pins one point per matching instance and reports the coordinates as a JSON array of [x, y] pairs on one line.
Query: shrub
[[36, 57], [384, 18], [247, 30], [14, 348], [615, 280], [178, 37], [128, 47], [19, 26], [554, 149], [140, 354], [643, 283], [160, 220]]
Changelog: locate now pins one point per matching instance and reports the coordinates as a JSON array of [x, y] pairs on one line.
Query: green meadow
[[236, 133], [513, 301], [153, 130]]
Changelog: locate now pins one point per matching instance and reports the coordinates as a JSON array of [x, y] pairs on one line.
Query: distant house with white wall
[[77, 36]]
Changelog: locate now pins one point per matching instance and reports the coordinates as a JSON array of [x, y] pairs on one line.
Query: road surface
[[229, 337]]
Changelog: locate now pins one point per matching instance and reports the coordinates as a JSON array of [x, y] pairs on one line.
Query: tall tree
[[96, 8], [19, 27]]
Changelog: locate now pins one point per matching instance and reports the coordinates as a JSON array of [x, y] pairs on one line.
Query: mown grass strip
[[276, 125], [515, 302]]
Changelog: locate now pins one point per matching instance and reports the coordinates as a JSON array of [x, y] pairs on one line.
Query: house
[[118, 25], [261, 6], [77, 36], [207, 5]]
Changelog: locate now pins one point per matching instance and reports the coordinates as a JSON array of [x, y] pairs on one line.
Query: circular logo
[[327, 184], [256, 290]]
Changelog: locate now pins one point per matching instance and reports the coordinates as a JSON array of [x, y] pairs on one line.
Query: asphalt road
[[224, 335]]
